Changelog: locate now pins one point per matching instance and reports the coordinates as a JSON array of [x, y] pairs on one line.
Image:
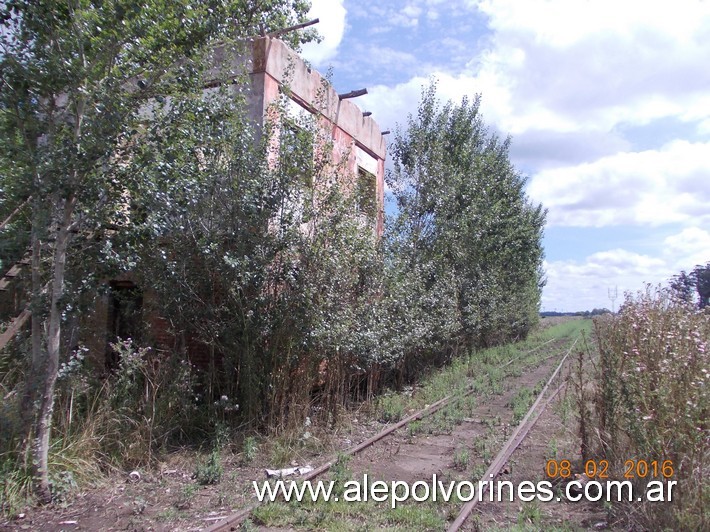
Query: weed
[[16, 489], [273, 514], [520, 403], [563, 408], [478, 471], [139, 505], [168, 514], [415, 427], [250, 448], [248, 526], [494, 421], [281, 453], [651, 398], [62, 484], [187, 493], [415, 517], [552, 449], [484, 449], [461, 459], [210, 471], [392, 408], [340, 473], [221, 435], [530, 514]]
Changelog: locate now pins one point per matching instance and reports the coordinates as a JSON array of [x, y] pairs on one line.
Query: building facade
[[275, 72], [356, 138]]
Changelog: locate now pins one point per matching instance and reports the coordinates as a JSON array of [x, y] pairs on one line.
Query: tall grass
[[149, 405], [652, 400]]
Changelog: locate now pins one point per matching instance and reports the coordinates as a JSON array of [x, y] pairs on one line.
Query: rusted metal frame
[[13, 213], [14, 327], [13, 272], [302, 25]]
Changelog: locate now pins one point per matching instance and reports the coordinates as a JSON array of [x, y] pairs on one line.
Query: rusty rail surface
[[238, 517], [513, 443]]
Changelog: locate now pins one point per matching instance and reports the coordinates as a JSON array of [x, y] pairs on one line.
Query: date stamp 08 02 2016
[[599, 469]]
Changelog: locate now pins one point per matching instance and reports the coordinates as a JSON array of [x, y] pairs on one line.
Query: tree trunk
[[48, 379], [28, 408]]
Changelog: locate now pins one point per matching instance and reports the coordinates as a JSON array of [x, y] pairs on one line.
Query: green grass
[[485, 372], [351, 516], [520, 404]]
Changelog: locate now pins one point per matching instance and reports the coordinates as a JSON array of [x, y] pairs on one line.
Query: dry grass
[[652, 402]]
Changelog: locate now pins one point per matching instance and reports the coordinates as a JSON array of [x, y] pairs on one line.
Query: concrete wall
[[273, 65]]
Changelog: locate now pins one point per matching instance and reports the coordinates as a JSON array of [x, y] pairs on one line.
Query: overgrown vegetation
[[249, 254], [651, 402], [470, 458]]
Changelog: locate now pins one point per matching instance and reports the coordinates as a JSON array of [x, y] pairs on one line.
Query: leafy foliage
[[696, 284], [78, 83], [466, 241], [254, 249]]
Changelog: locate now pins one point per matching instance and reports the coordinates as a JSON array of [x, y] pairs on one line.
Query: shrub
[[210, 471], [652, 397]]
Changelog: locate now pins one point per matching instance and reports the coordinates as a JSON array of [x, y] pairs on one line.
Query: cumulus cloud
[[687, 249], [392, 104], [653, 187], [609, 108], [570, 66], [595, 64], [573, 285], [331, 27], [585, 284]]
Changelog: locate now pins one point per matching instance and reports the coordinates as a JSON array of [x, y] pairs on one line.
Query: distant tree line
[[584, 313]]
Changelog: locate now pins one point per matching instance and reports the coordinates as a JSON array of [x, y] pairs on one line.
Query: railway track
[[549, 391]]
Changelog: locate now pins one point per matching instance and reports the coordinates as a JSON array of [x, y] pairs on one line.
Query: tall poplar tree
[[465, 228]]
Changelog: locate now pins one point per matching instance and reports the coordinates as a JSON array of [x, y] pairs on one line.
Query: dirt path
[[550, 439], [417, 457]]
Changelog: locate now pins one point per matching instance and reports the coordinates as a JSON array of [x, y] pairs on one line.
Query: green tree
[[269, 266], [77, 79], [701, 278], [682, 285], [465, 235]]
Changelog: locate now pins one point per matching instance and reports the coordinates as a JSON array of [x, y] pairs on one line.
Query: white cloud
[[584, 285], [687, 249], [573, 286], [593, 92], [391, 105], [654, 187], [412, 10], [568, 66], [595, 64], [331, 27]]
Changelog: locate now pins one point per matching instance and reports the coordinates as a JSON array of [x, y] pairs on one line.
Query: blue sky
[[607, 102]]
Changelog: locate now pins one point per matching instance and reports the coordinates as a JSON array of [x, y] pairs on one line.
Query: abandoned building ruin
[[271, 65]]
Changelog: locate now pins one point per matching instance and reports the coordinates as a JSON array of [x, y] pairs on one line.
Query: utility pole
[[613, 294]]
